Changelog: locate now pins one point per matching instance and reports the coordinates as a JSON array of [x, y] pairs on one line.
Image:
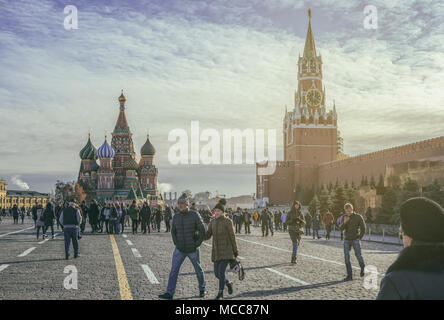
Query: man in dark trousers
[[15, 213], [265, 220], [145, 217], [168, 215], [418, 272], [188, 232], [71, 219], [354, 230]]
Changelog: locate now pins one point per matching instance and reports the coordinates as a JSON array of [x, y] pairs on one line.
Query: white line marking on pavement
[[129, 242], [26, 252], [47, 239], [136, 253], [288, 277], [304, 255], [150, 275], [5, 234], [3, 267], [124, 235]]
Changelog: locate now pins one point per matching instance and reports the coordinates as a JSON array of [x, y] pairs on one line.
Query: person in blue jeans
[[187, 231], [353, 226], [71, 219], [295, 221]]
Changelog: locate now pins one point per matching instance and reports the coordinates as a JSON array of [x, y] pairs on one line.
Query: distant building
[[119, 177], [22, 198], [313, 147]]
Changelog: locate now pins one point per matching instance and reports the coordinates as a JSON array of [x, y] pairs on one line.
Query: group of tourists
[[15, 212]]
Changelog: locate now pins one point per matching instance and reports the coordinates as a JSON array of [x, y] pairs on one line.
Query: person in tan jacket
[[224, 247]]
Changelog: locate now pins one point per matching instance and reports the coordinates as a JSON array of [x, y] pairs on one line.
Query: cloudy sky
[[228, 64]]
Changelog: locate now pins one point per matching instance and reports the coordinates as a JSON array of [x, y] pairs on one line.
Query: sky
[[226, 64]]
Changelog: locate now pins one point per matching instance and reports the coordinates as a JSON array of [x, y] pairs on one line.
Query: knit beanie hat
[[423, 219], [221, 205], [183, 199]]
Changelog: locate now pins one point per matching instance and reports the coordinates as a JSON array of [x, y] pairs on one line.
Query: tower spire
[[310, 48]]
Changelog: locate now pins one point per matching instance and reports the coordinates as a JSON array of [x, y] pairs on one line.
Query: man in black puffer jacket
[[418, 272], [188, 232]]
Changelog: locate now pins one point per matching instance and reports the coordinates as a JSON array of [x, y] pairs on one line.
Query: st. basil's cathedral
[[119, 177]]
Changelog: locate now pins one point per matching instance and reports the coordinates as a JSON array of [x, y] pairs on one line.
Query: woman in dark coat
[[48, 218], [224, 247], [295, 222]]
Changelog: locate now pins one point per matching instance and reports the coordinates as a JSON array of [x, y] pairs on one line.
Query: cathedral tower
[[148, 172]]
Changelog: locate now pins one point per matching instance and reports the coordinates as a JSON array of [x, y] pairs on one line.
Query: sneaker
[[202, 294], [166, 296], [230, 287], [348, 278], [362, 271]]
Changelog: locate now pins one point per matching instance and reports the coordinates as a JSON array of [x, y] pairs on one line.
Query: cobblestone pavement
[[38, 273]]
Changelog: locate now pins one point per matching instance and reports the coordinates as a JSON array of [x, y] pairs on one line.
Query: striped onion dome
[[147, 149], [131, 164], [106, 151], [89, 152]]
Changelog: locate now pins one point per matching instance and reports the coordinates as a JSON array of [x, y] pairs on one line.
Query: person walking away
[[284, 221], [70, 219], [188, 232], [224, 248], [94, 213], [237, 220], [354, 230], [169, 215], [328, 219], [418, 272], [15, 213], [22, 215], [106, 215], [247, 221], [264, 218], [145, 216], [48, 218], [158, 217], [123, 213], [133, 212], [40, 222], [270, 221], [113, 219], [295, 222], [308, 220], [316, 224]]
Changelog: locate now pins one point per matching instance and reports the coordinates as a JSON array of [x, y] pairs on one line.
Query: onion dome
[[106, 151], [131, 164], [147, 149], [89, 152], [122, 97]]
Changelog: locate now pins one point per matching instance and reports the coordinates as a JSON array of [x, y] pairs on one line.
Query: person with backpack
[[133, 212], [187, 231], [224, 248], [295, 222], [71, 219], [48, 218]]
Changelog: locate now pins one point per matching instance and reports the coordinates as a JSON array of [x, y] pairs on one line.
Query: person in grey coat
[[418, 272]]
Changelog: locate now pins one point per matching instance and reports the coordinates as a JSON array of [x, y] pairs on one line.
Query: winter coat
[[168, 214], [316, 221], [93, 212], [145, 214], [187, 231], [417, 274], [224, 241], [247, 217], [328, 219], [15, 211], [133, 212], [264, 217], [295, 221], [48, 216], [39, 212]]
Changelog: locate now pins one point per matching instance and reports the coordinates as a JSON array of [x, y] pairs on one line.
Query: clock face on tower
[[313, 97]]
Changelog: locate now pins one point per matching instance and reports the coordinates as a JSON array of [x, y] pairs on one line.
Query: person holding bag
[[224, 249]]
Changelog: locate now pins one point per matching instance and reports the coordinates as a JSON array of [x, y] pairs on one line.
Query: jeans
[[71, 233], [145, 224], [219, 271], [295, 249], [158, 225], [135, 225], [178, 259], [46, 228], [356, 245]]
